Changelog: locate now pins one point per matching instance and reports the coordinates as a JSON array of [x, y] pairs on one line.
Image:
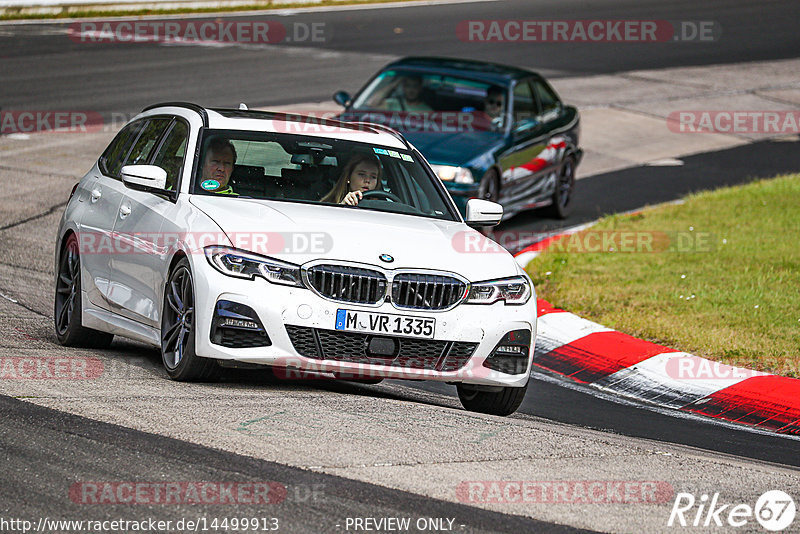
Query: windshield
[[441, 101], [288, 167]]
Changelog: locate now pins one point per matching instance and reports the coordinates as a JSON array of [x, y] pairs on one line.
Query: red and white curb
[[525, 255], [591, 354]]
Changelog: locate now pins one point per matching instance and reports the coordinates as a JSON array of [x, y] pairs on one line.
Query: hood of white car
[[299, 233]]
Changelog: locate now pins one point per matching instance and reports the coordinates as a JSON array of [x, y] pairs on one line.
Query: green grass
[[734, 297], [86, 12]]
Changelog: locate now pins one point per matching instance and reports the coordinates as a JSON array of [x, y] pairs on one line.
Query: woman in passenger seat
[[361, 174]]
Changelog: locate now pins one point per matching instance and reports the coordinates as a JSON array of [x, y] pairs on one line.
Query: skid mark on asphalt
[[48, 211]]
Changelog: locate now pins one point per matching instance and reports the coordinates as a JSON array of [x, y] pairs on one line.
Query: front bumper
[[304, 312]]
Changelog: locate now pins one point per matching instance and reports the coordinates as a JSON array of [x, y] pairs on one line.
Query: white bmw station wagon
[[239, 238]]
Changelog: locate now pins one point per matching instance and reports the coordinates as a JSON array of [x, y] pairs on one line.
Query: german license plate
[[385, 323]]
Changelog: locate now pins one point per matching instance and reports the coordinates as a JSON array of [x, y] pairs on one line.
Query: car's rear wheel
[[503, 401], [67, 306], [178, 329], [561, 207]]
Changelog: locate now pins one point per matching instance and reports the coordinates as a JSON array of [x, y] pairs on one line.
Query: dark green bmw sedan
[[489, 131]]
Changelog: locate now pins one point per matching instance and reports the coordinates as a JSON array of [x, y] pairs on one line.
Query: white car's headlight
[[516, 290], [241, 264], [459, 175]]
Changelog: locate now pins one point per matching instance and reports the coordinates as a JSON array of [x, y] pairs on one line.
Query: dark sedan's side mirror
[[342, 98], [525, 127]]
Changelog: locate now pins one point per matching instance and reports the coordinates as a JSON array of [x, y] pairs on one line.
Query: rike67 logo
[[774, 510]]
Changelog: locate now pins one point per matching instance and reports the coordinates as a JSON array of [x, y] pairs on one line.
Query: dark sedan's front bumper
[[461, 193]]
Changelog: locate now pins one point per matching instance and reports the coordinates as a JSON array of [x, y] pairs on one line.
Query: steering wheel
[[381, 193]]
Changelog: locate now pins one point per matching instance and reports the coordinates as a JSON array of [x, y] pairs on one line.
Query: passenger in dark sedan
[[409, 99]]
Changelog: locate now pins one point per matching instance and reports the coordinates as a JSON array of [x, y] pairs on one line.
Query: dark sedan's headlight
[[459, 175], [241, 264], [516, 290]]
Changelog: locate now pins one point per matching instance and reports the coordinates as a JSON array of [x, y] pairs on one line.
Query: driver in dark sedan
[[361, 174], [495, 102]]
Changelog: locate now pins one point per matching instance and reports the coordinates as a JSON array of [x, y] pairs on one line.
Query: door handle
[[124, 211], [96, 194]]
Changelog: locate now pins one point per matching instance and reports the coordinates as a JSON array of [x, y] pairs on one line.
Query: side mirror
[[342, 98], [483, 213], [525, 127], [144, 177]]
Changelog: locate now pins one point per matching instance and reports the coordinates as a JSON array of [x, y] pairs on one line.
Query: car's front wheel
[[561, 207], [501, 401], [178, 329], [67, 306]]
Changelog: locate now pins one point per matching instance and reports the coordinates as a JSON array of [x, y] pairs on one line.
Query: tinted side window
[[112, 159], [524, 102], [146, 143], [172, 152], [547, 97]]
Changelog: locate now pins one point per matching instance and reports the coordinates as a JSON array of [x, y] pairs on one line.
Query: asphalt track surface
[[32, 436], [42, 70]]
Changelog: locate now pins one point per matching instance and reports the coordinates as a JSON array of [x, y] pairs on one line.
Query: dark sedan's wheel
[[562, 196], [178, 330], [503, 402], [67, 306]]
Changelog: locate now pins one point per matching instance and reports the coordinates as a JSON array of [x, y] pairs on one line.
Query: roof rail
[[384, 128], [283, 115], [188, 105]]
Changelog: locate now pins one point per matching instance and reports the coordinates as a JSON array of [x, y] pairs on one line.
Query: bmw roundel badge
[[386, 257]]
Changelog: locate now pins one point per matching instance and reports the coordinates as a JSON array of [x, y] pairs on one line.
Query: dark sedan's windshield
[[412, 101], [299, 168], [398, 90]]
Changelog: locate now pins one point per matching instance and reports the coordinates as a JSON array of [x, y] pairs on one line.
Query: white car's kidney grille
[[348, 284], [350, 347], [426, 291]]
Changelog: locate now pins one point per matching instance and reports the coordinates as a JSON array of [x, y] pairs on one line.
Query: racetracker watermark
[[564, 492], [734, 122], [690, 367], [774, 510], [588, 241], [36, 121], [422, 367], [179, 492], [198, 32], [407, 121], [160, 243], [434, 121], [588, 31], [49, 368]]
